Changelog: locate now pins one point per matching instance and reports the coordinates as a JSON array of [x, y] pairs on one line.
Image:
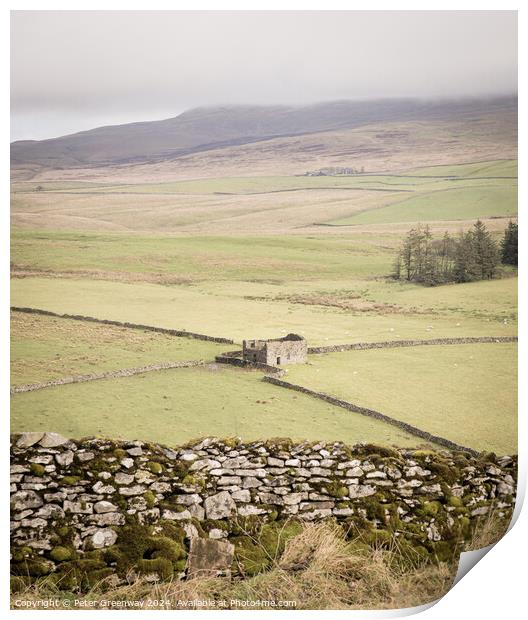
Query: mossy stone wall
[[95, 508]]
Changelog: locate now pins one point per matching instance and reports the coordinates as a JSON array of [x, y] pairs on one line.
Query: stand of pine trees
[[470, 256]]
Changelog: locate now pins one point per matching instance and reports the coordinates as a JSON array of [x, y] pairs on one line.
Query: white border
[[495, 587]]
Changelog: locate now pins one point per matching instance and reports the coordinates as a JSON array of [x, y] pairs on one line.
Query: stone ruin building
[[291, 349]]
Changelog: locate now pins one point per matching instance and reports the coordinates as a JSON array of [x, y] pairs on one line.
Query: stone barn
[[292, 349]]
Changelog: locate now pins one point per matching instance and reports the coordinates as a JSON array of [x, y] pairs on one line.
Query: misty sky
[[74, 70]]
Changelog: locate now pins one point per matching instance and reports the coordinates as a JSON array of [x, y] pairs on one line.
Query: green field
[[255, 257], [459, 203], [466, 393], [498, 168], [45, 348], [175, 406], [243, 258], [218, 312], [272, 204]]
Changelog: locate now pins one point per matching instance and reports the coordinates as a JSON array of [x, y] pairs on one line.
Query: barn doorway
[[278, 361]]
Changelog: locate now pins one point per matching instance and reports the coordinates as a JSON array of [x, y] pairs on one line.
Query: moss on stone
[[18, 554], [172, 530], [379, 538], [431, 508], [279, 443], [231, 442], [194, 480], [164, 547], [446, 473], [336, 489], [454, 501], [424, 454], [95, 577], [63, 531], [69, 481], [154, 467], [254, 554], [61, 554], [380, 451], [161, 566], [33, 567], [179, 566], [250, 558], [150, 499], [37, 469], [19, 584]]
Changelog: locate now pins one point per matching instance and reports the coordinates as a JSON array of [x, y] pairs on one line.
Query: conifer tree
[[509, 245]]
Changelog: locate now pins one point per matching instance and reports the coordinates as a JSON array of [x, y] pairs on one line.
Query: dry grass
[[319, 569], [489, 530]]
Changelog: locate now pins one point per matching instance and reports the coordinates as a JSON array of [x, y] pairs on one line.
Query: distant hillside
[[207, 129]]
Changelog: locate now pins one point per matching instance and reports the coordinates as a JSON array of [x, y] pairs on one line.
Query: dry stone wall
[[371, 413], [109, 374], [83, 510], [394, 344], [91, 319]]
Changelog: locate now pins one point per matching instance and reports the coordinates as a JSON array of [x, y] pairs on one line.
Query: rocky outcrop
[[83, 510]]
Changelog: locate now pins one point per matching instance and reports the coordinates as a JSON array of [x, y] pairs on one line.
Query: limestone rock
[[242, 495], [64, 458], [110, 518], [250, 510], [52, 440], [78, 507], [172, 515], [187, 500], [23, 500], [101, 488], [249, 482], [209, 557], [85, 456], [122, 478], [219, 506], [204, 464], [103, 538], [50, 510], [27, 440], [355, 472], [361, 490], [104, 506], [294, 498], [135, 490], [197, 511]]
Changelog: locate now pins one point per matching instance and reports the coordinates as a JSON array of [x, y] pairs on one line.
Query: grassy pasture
[[271, 203], [252, 280], [206, 257], [466, 393], [231, 316], [459, 203], [498, 168], [45, 348], [175, 406]]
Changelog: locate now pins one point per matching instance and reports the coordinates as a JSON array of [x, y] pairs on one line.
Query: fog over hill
[[206, 129]]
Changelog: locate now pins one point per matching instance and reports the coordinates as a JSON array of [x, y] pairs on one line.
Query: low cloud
[[72, 70]]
